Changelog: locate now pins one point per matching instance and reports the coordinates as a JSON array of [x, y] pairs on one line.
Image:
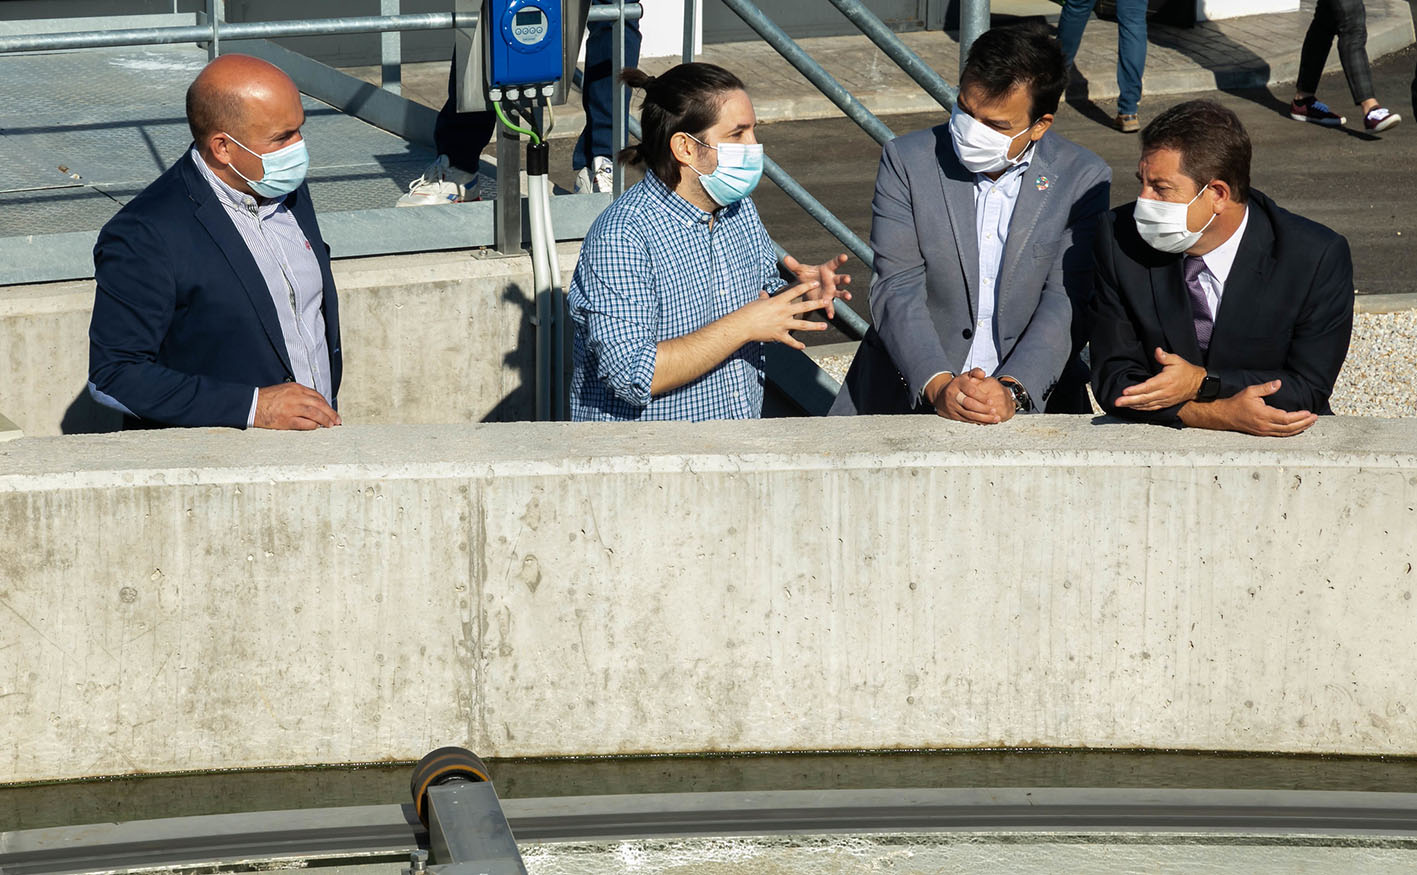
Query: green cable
[[502, 116]]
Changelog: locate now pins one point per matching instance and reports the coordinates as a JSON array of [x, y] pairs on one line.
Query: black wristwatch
[[1210, 388], [1022, 401]]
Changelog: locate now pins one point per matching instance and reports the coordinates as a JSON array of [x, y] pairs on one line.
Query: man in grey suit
[[982, 231]]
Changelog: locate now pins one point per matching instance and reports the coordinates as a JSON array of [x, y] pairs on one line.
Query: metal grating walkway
[[83, 132]]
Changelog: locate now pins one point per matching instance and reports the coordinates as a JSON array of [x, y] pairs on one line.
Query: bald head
[[235, 94]]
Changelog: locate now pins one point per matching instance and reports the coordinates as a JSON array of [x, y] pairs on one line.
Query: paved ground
[[1355, 183], [1360, 185], [1246, 52]]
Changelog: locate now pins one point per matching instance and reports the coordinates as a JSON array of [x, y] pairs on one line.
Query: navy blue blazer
[[1287, 312], [184, 328]]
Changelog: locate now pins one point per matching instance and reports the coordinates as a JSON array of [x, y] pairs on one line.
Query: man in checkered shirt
[[677, 287]]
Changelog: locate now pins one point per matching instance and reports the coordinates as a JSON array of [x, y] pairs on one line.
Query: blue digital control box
[[523, 45]]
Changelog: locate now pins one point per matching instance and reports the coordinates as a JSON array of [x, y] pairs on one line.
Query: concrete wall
[[217, 599], [440, 337]]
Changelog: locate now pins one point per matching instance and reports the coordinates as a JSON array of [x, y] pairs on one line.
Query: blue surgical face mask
[[283, 170], [740, 167]]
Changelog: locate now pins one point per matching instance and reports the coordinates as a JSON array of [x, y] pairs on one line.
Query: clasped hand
[[973, 396]]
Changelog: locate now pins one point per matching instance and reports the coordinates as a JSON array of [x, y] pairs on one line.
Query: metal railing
[[213, 29], [894, 48]]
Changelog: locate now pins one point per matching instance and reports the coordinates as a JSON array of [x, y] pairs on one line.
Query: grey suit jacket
[[925, 281]]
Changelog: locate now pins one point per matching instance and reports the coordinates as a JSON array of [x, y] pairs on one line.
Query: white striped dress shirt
[[292, 276]]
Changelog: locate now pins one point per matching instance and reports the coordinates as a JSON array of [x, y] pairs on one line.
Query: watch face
[[1210, 388]]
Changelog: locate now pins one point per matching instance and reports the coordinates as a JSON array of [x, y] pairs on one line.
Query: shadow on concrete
[[86, 416], [519, 405], [1078, 96]]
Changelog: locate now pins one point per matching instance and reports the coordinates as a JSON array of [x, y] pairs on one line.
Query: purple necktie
[[1200, 309]]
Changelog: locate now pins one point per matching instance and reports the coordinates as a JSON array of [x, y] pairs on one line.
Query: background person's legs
[[461, 135], [459, 138], [598, 94], [1131, 53], [1071, 23], [1352, 23], [1312, 57], [1348, 20], [1314, 54]]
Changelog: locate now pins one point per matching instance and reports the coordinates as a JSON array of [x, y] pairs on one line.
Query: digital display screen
[[528, 17]]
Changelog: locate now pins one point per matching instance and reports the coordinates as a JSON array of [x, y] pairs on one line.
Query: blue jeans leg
[[1071, 23], [597, 93], [1131, 53]]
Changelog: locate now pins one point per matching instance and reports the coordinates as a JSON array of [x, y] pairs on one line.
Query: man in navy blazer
[[982, 232], [215, 305], [1216, 308]]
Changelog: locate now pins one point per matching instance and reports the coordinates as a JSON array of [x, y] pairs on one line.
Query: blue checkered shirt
[[653, 269]]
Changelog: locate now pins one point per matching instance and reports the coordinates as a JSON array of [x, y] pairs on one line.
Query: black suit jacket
[[184, 328], [1286, 313]]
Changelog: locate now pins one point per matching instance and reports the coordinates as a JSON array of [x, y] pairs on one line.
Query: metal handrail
[[816, 74], [896, 49], [219, 30]]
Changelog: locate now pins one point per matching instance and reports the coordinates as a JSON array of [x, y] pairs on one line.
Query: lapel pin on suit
[[1042, 183]]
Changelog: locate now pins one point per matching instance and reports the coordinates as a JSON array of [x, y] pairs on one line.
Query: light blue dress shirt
[[994, 201]]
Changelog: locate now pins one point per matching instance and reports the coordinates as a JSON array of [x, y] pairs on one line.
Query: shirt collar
[[1014, 172], [1221, 259], [688, 214], [230, 196]]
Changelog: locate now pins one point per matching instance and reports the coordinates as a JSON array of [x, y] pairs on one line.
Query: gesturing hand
[[1177, 383], [832, 285], [293, 406], [773, 317]]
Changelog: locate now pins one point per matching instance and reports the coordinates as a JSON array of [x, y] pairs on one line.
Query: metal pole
[[390, 51], [508, 223], [216, 28], [617, 66], [973, 21], [691, 20], [152, 36], [896, 49], [216, 16], [815, 73]]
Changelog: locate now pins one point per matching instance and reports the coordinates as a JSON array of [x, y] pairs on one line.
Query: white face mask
[[1163, 225], [980, 148]]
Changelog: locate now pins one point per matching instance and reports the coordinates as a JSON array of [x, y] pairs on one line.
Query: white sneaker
[[441, 183], [604, 180]]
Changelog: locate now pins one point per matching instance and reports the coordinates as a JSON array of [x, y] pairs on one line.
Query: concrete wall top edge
[[540, 449]]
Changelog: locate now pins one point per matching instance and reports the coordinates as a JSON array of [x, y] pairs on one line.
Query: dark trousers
[[1414, 93], [463, 135], [1346, 20]]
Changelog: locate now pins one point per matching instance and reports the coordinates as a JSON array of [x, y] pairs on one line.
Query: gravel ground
[[1378, 379]]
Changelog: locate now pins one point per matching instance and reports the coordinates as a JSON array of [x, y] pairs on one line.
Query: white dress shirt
[[994, 202], [1218, 263]]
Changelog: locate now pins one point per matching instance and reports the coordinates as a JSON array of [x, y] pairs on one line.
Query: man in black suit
[[1214, 307], [215, 304]]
